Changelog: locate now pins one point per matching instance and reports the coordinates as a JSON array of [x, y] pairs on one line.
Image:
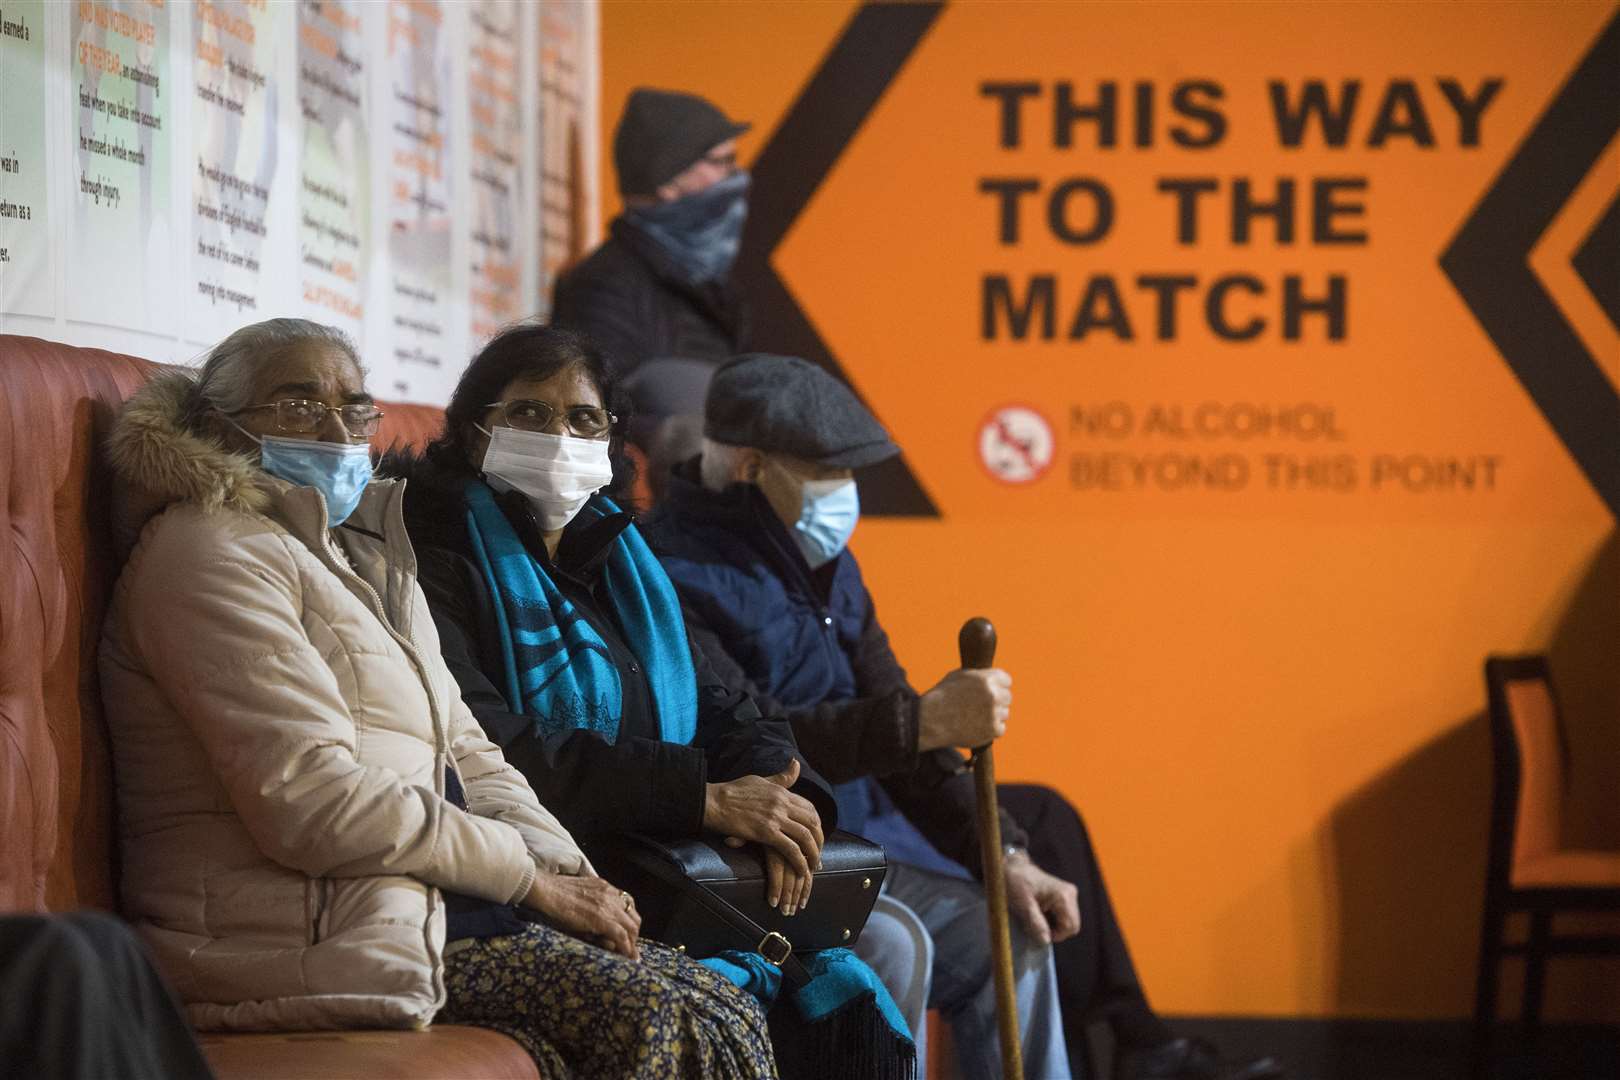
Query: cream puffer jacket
[[281, 723]]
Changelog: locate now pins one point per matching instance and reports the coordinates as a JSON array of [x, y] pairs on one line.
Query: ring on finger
[[629, 901]]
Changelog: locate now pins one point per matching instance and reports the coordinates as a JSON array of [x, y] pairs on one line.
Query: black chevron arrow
[[874, 46], [1489, 264], [1598, 262]]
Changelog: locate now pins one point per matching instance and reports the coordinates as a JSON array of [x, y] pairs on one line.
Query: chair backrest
[[57, 568], [1529, 757], [405, 426]]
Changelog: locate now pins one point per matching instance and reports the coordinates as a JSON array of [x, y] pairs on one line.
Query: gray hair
[[719, 464], [225, 381]]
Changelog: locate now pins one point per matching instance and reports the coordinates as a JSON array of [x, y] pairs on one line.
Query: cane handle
[[977, 643]]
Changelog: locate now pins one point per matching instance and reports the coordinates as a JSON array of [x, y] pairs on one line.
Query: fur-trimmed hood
[[159, 462]]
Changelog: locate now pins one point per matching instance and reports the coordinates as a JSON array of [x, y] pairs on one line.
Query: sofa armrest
[[442, 1050]]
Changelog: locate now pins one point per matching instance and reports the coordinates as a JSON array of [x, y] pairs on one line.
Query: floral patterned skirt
[[581, 1011]]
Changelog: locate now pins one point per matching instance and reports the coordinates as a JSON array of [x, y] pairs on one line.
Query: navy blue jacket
[[806, 644]]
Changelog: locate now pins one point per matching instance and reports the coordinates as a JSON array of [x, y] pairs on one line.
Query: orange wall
[[1267, 702]]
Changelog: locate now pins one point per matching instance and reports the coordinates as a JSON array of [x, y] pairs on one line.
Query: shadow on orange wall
[[1407, 853], [1585, 657], [1408, 850]]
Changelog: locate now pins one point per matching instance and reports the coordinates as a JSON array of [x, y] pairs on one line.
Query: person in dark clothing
[[84, 1002], [754, 534], [660, 285], [568, 644]]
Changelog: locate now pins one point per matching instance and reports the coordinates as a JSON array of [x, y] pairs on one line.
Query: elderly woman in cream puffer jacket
[[308, 812]]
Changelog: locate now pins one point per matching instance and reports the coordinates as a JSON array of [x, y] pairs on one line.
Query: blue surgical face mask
[[339, 471], [700, 232], [828, 511]]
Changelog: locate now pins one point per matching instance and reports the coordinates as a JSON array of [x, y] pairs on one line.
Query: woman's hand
[[762, 809], [588, 908]]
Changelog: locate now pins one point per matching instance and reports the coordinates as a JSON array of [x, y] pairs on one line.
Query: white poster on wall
[[26, 285], [119, 204], [236, 105], [421, 194], [495, 107], [173, 169], [566, 114], [334, 196]]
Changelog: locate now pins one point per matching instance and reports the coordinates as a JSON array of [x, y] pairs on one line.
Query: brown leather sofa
[[57, 848]]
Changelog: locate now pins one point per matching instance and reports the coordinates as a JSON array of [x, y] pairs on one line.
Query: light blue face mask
[[827, 515], [701, 232], [339, 471]]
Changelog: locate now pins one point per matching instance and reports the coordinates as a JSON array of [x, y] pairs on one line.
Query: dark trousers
[[1096, 979], [81, 1001]]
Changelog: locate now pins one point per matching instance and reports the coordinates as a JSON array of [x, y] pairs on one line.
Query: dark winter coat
[[807, 644], [629, 299], [597, 789]]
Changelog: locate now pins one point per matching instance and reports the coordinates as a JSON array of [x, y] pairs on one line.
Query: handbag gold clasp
[[775, 948]]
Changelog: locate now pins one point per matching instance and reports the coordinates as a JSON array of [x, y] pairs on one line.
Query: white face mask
[[556, 473]]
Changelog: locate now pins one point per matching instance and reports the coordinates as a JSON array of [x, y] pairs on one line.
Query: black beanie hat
[[662, 132]]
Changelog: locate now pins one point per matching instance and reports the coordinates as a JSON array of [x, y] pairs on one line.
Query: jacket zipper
[[828, 635], [341, 567]]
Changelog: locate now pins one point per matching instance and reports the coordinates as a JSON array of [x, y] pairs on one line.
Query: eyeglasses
[[586, 421], [305, 417]]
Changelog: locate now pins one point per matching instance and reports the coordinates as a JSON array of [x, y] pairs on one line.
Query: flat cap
[[785, 405], [661, 132]]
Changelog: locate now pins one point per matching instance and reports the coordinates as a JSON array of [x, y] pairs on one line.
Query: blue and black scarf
[[557, 668], [558, 671]]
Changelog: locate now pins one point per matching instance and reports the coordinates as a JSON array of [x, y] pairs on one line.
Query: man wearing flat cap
[[753, 532], [660, 285]]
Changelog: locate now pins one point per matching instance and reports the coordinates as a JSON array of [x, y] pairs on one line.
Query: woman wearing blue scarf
[[569, 646]]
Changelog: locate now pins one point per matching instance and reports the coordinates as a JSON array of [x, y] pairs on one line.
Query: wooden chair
[[1529, 869]]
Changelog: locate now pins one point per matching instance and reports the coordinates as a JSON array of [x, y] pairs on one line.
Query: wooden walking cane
[[977, 645]]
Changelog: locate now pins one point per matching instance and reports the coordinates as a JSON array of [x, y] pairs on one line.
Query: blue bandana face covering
[[700, 232], [827, 516], [340, 472]]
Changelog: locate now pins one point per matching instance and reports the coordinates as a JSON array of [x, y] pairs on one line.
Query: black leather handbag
[[703, 897]]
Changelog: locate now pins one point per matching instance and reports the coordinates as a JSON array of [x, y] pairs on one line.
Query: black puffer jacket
[[628, 298], [597, 789]]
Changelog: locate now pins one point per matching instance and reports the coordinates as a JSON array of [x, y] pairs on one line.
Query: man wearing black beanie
[[660, 285]]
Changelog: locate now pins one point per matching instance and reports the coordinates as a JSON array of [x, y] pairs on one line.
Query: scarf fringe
[[853, 1041]]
